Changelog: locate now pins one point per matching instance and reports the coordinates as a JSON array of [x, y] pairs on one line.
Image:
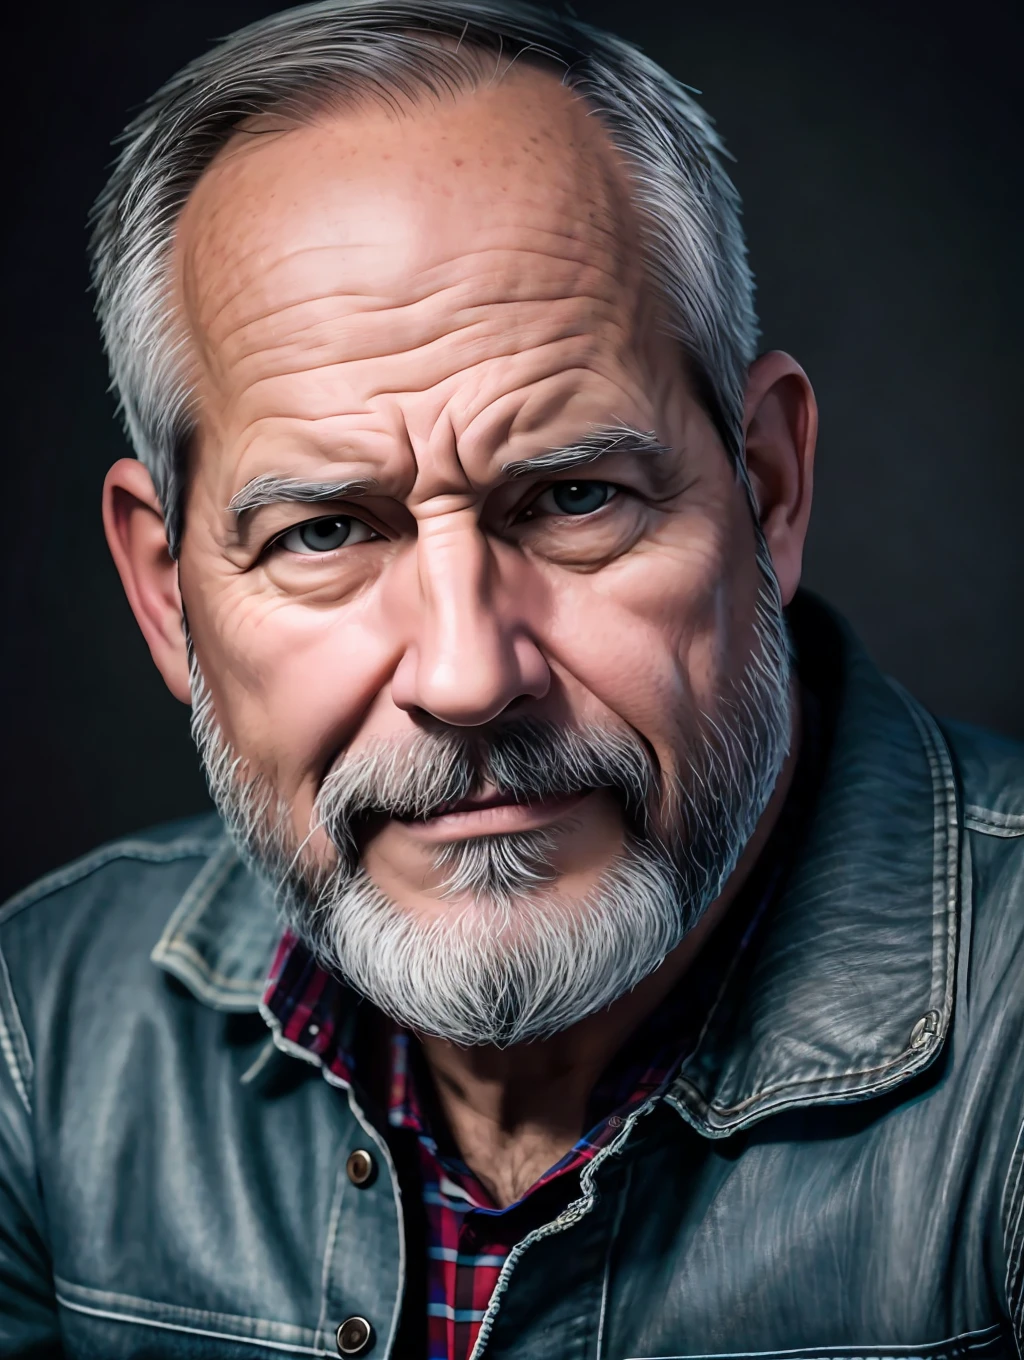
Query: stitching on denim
[[183, 948], [385, 1154], [196, 898], [934, 1350], [149, 852], [946, 828], [175, 952], [569, 1217], [294, 1050], [108, 1315], [989, 822], [113, 1307], [826, 1079], [1012, 1207], [22, 1079], [340, 1183]]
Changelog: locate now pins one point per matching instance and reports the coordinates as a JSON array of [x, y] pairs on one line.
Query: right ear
[[134, 524]]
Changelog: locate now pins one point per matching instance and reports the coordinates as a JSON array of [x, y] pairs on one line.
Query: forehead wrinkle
[[484, 289], [450, 357]]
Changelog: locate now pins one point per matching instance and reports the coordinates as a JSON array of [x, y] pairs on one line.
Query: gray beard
[[514, 960]]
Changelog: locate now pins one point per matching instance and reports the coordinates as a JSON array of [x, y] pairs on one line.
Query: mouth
[[491, 813]]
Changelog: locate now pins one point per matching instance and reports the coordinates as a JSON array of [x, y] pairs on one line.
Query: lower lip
[[495, 821]]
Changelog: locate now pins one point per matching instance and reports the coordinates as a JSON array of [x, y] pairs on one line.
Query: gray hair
[[302, 58]]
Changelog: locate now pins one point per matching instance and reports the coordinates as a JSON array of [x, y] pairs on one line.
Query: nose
[[469, 654]]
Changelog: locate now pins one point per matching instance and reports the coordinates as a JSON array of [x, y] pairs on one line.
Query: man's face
[[413, 307]]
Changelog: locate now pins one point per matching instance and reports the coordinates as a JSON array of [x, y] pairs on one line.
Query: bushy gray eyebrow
[[272, 490], [598, 444]]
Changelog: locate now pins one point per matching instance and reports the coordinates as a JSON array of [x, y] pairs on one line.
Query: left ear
[[780, 425]]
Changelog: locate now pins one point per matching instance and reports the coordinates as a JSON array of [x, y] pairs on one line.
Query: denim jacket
[[837, 1171]]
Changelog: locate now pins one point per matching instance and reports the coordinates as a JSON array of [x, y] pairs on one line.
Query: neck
[[514, 1112]]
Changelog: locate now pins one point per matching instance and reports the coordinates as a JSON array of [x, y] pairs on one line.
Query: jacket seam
[[189, 954], [1012, 1214], [108, 1315], [572, 1214], [946, 826], [9, 1040], [148, 852], [780, 1087], [966, 1341], [989, 822], [117, 1308]]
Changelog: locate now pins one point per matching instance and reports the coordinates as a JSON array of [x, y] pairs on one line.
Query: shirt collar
[[849, 992]]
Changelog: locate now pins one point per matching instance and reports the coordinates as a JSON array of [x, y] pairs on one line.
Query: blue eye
[[326, 534], [575, 498]]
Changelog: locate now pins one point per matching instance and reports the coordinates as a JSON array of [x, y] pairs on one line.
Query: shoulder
[[113, 872], [991, 773], [101, 913]]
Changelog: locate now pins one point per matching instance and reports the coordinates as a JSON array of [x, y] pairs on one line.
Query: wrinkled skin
[[414, 300]]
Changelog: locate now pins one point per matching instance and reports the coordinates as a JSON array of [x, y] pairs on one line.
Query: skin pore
[[409, 302]]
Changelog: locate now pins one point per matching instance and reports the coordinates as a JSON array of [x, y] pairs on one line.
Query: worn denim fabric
[[837, 1171]]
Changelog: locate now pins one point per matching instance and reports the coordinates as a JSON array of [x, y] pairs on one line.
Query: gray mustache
[[526, 759]]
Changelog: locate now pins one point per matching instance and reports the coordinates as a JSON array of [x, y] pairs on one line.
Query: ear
[[780, 430], [134, 524]]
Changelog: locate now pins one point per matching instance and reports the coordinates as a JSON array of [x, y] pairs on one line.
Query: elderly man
[[595, 957]]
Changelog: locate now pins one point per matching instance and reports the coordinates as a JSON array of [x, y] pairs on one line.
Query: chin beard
[[511, 959]]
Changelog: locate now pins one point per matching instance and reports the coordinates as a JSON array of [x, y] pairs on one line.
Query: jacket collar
[[850, 992]]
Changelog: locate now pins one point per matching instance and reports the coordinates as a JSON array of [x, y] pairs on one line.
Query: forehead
[[455, 281], [373, 204]]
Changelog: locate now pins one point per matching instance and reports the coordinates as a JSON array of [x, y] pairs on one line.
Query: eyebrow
[[272, 490], [598, 444]]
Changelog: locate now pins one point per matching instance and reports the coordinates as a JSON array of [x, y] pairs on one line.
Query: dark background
[[877, 149]]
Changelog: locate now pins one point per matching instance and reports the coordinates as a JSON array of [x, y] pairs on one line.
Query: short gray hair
[[301, 58]]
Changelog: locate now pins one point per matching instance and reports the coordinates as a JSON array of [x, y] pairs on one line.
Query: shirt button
[[355, 1336], [360, 1169]]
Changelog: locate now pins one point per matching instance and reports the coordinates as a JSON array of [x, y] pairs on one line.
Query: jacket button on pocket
[[355, 1336], [360, 1168]]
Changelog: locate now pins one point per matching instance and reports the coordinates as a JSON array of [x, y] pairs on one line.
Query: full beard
[[511, 959]]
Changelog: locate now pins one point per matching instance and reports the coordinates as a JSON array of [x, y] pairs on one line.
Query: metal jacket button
[[360, 1167], [355, 1336]]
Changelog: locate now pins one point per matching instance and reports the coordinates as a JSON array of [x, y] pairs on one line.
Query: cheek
[[651, 638], [291, 684]]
